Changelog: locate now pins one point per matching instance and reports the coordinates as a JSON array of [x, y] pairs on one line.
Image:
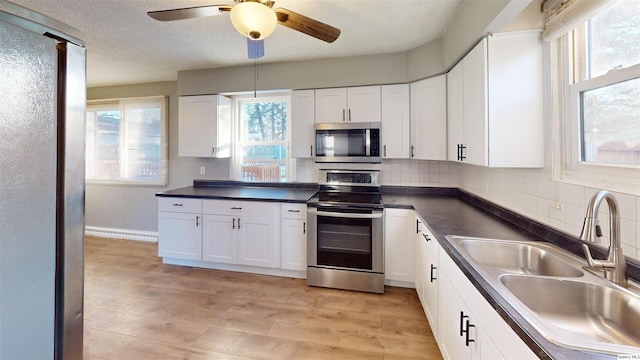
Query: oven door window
[[344, 242], [338, 143]]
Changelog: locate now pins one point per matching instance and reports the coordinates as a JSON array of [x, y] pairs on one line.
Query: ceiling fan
[[256, 20]]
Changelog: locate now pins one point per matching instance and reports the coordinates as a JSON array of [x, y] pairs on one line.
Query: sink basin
[[584, 311], [518, 257]]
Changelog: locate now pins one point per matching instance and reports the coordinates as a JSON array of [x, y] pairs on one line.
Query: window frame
[[568, 63], [238, 100], [120, 105]]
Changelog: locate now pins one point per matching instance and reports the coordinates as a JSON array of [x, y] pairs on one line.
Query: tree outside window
[[263, 139]]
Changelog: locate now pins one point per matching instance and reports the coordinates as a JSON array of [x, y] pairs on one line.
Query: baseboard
[[125, 234]]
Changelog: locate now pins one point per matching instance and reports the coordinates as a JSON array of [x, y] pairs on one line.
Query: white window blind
[[564, 16]]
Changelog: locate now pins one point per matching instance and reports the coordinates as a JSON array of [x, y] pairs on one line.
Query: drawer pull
[[234, 223], [197, 221], [426, 237], [295, 211], [177, 204], [238, 223], [236, 208]]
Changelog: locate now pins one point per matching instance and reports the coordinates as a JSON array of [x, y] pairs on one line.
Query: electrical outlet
[[556, 205], [203, 170]]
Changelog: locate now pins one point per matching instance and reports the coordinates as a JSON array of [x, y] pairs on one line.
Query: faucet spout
[[615, 267]]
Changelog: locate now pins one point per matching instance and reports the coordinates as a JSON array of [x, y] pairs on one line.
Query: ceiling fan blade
[[188, 13], [307, 25], [255, 48]]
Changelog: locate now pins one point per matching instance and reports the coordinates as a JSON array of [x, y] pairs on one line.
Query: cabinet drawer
[[183, 205], [241, 208], [293, 211]]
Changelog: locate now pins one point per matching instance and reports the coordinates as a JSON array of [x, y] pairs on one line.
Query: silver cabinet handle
[[310, 150], [343, 116], [213, 151], [349, 115], [295, 211], [384, 147]]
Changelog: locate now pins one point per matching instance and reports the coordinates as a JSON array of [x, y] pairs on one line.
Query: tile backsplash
[[529, 192], [560, 205]]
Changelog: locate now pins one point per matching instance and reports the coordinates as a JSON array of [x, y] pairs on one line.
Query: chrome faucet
[[615, 268]]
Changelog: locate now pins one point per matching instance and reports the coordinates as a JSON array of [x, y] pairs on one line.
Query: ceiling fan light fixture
[[253, 19]]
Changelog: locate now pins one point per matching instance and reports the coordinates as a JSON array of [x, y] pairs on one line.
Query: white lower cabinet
[[294, 236], [399, 230], [259, 240], [241, 232], [180, 228], [219, 240], [426, 254], [460, 334]]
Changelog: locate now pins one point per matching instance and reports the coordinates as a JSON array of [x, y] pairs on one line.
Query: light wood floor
[[138, 308]]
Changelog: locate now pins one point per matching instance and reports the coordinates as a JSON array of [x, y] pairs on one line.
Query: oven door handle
[[375, 215]]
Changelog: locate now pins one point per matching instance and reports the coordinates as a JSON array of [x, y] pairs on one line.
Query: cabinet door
[[204, 128], [399, 237], [395, 121], [294, 244], [474, 67], [331, 105], [302, 121], [516, 55], [451, 339], [219, 239], [180, 235], [455, 112], [363, 104], [259, 241], [430, 285], [429, 119]]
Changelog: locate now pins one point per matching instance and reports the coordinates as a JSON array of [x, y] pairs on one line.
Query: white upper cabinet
[[395, 121], [495, 105], [355, 104], [302, 121], [429, 119], [204, 126]]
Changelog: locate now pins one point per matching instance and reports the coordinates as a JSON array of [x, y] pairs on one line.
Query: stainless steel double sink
[[551, 289]]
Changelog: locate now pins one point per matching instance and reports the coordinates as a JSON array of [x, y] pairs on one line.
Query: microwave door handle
[[367, 142], [376, 215]]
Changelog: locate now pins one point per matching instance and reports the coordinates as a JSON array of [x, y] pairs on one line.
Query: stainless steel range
[[345, 243]]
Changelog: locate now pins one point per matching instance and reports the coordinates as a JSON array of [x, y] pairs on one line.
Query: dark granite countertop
[[237, 190], [454, 212]]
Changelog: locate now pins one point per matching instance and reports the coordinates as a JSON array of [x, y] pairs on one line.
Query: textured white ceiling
[[125, 46]]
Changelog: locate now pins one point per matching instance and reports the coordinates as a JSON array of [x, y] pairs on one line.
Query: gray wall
[[135, 207]]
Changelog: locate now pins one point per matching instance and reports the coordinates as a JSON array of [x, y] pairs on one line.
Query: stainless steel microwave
[[348, 142]]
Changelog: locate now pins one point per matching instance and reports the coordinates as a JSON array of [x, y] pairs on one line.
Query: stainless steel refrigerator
[[42, 112]]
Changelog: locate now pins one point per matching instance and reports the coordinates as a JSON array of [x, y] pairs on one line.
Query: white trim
[[112, 233], [237, 268]]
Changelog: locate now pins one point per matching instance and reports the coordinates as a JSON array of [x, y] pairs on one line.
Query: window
[[598, 76], [126, 141], [262, 152]]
